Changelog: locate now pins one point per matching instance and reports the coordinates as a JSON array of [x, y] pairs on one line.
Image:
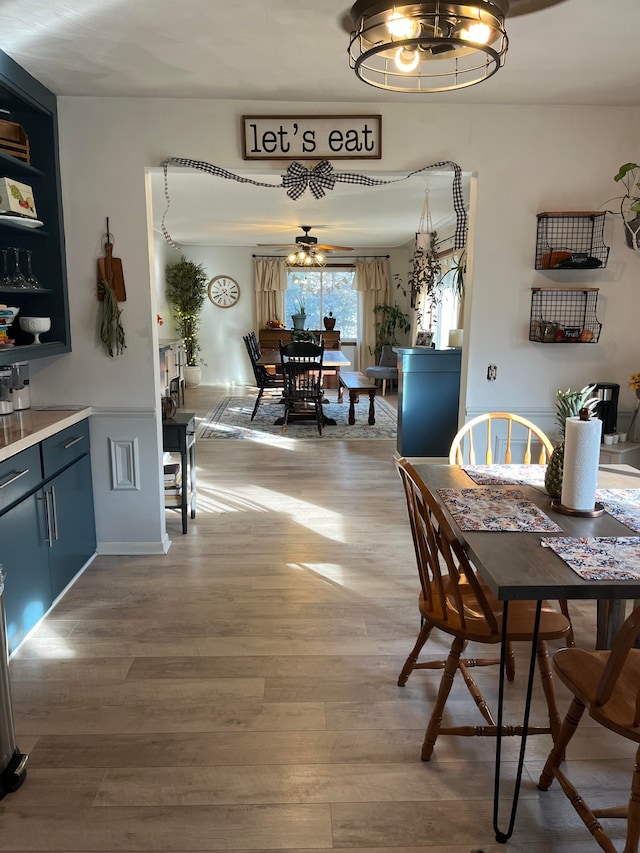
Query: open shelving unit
[[571, 240], [564, 316], [34, 108]]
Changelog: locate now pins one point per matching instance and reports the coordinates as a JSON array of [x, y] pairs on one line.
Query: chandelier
[[427, 47], [306, 257]]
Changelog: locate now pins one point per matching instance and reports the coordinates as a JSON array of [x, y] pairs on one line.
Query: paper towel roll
[[581, 459]]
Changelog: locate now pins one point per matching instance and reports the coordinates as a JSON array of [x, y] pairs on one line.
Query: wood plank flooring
[[240, 693]]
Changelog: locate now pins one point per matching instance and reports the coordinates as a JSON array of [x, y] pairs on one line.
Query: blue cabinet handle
[[13, 478]]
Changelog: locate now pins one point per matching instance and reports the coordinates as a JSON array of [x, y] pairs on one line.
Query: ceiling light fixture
[[306, 257], [427, 47]]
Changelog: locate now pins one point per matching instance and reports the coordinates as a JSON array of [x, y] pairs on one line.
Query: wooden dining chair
[[454, 600], [264, 379], [463, 451], [519, 431], [302, 374], [607, 684]]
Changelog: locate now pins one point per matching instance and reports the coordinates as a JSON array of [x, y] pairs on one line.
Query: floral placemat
[[623, 505], [496, 509], [503, 475], [602, 558]]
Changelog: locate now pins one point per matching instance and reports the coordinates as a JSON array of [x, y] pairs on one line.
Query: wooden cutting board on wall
[[110, 269]]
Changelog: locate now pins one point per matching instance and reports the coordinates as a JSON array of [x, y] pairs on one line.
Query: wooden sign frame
[[314, 137]]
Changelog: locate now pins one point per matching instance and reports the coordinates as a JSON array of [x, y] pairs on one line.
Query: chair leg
[[255, 408], [510, 662], [319, 415], [633, 817], [567, 731], [446, 682], [564, 609], [384, 386], [546, 677], [410, 662]]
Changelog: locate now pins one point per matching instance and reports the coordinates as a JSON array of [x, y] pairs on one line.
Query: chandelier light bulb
[[402, 28], [406, 60], [479, 33], [320, 258]]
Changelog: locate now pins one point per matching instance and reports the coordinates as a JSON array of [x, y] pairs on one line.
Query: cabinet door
[[74, 532], [25, 560]]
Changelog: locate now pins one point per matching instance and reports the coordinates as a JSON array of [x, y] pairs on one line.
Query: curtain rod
[[330, 257]]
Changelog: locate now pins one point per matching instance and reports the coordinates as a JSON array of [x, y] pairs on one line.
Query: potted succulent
[[629, 175], [186, 289], [299, 318]]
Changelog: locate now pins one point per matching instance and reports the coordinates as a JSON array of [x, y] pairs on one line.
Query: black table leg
[[503, 837]]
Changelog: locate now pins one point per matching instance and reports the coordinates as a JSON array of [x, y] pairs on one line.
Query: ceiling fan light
[[463, 43], [478, 32], [401, 27], [406, 60]]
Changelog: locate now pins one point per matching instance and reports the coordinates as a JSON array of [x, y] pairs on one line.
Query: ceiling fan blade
[[525, 7], [335, 248], [278, 245]]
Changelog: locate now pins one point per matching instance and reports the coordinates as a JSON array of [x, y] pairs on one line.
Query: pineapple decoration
[[568, 405]]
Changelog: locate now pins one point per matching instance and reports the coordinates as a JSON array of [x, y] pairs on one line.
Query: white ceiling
[[576, 52]]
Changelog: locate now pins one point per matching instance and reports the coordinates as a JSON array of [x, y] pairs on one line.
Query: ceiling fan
[[306, 241]]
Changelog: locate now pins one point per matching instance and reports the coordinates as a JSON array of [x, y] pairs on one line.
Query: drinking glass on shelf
[[31, 280], [18, 278], [5, 278]]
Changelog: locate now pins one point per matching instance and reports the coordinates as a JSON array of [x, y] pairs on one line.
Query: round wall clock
[[224, 291]]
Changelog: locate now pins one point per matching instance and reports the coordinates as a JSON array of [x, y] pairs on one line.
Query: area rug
[[231, 418]]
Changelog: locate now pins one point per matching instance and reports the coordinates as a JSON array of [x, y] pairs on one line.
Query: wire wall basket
[[573, 240], [564, 316]]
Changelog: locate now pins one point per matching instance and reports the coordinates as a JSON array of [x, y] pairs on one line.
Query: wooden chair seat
[[454, 600], [607, 683]]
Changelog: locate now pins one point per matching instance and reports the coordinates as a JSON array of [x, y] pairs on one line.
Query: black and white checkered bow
[[298, 178]]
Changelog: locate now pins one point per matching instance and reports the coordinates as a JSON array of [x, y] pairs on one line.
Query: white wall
[[526, 159]]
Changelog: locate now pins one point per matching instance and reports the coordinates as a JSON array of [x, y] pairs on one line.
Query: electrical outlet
[[492, 373]]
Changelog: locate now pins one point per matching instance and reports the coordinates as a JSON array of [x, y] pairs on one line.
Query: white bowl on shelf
[[35, 326]]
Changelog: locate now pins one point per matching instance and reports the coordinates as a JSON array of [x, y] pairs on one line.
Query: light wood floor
[[240, 692]]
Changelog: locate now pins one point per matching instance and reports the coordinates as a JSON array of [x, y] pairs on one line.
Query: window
[[324, 290]]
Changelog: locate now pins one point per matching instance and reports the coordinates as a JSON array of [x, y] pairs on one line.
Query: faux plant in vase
[[186, 289], [568, 405], [390, 321], [299, 318]]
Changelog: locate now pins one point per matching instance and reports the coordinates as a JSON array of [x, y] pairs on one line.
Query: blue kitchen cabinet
[[25, 561], [74, 533]]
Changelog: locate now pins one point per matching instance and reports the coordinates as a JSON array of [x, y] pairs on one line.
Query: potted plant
[[390, 321], [628, 176], [299, 318], [186, 289]]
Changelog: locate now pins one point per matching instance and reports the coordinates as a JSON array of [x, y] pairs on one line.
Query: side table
[[179, 436]]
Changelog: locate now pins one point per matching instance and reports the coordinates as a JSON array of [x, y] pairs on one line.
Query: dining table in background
[[333, 359], [516, 567]]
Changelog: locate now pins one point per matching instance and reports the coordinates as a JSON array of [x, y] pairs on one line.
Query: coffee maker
[[607, 406], [20, 382]]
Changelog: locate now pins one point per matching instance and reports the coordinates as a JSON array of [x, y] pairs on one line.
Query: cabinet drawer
[[19, 475], [64, 447]]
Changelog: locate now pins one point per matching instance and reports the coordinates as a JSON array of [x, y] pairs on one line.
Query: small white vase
[[192, 375]]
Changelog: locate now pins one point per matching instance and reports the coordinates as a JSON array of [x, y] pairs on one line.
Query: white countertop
[[23, 429]]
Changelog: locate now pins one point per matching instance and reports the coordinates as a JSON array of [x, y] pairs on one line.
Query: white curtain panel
[[270, 288], [373, 285]]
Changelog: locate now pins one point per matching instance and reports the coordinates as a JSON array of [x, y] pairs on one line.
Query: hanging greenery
[[186, 289], [426, 272], [111, 328]]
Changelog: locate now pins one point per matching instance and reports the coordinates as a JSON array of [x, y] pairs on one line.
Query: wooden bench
[[356, 384]]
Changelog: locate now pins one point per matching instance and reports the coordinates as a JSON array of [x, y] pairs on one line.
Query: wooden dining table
[[516, 567], [333, 358]]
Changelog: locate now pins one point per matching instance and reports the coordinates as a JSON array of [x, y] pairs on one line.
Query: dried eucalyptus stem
[[111, 329]]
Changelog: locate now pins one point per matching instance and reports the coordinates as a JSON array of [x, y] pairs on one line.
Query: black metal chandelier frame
[[437, 39]]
